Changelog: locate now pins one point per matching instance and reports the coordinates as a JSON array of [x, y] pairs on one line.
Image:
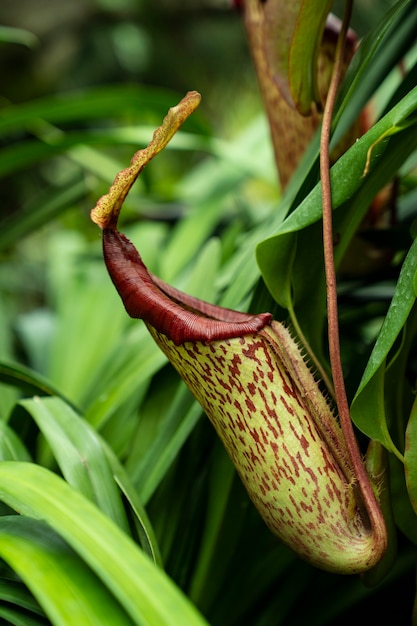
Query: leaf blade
[[68, 591], [145, 592]]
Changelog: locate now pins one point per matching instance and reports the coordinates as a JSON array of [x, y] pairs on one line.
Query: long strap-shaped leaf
[[65, 587], [143, 590]]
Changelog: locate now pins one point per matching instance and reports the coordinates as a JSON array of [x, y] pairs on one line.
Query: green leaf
[[398, 312], [283, 255], [143, 526], [19, 618], [144, 591], [68, 591], [16, 593], [8, 34], [348, 174], [90, 465], [11, 446], [30, 381], [368, 410], [79, 454], [410, 457], [377, 55], [368, 406], [303, 60], [351, 190]]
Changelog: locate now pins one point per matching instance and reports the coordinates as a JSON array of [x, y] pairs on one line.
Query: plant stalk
[[364, 485]]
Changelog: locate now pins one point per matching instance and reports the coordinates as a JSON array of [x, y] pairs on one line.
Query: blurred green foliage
[[83, 85]]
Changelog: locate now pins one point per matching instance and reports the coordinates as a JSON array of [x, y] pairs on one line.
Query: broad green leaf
[[16, 593], [347, 180], [68, 591], [400, 308], [143, 526], [368, 410], [90, 465], [28, 380], [303, 56], [377, 55], [19, 618], [282, 254], [8, 34], [410, 457], [369, 396], [348, 174], [144, 591], [79, 454], [12, 447]]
